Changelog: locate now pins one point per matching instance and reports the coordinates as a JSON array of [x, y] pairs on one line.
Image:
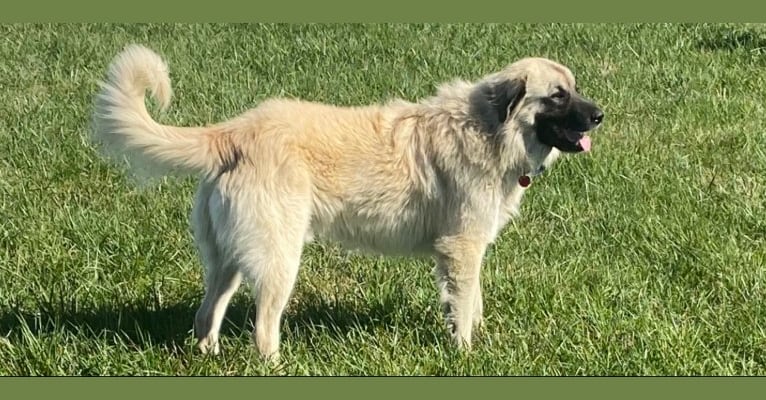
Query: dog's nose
[[597, 117]]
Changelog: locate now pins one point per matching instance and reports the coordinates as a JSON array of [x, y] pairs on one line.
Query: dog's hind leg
[[272, 219], [279, 271], [222, 278], [277, 266]]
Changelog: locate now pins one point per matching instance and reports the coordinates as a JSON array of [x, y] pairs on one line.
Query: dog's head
[[540, 97]]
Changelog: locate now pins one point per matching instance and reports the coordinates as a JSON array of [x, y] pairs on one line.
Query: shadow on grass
[[137, 326], [338, 319], [170, 326]]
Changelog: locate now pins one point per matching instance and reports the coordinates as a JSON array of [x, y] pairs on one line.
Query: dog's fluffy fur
[[438, 177]]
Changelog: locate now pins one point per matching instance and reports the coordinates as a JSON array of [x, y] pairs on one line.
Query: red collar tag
[[524, 180]]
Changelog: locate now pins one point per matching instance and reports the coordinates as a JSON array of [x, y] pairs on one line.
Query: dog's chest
[[508, 207]]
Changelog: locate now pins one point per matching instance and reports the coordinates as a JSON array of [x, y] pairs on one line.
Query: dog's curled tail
[[124, 130]]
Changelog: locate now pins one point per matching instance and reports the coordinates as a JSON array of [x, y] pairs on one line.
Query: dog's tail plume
[[124, 130]]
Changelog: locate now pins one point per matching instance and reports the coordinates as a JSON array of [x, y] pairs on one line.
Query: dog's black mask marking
[[492, 102], [565, 119]]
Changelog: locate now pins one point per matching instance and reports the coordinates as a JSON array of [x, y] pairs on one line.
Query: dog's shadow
[[137, 326], [170, 326]]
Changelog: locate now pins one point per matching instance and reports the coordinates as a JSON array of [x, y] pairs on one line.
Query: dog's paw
[[273, 359], [208, 346]]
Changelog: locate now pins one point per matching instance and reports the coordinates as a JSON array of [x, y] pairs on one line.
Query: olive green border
[[388, 388], [383, 11]]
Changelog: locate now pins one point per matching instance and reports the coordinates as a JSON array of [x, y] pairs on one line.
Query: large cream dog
[[439, 177]]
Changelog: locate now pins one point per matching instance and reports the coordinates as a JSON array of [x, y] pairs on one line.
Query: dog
[[439, 177]]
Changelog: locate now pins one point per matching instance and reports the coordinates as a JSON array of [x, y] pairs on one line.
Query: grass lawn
[[644, 257]]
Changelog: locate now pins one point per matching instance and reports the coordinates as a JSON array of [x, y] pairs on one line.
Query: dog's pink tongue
[[585, 143]]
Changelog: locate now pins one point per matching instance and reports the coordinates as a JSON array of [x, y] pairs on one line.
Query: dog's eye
[[559, 94]]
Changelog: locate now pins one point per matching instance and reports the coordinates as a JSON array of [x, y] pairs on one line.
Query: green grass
[[645, 257]]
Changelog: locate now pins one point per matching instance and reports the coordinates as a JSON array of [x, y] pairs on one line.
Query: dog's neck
[[532, 167], [537, 171]]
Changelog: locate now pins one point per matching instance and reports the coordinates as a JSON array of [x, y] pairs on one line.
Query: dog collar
[[526, 179]]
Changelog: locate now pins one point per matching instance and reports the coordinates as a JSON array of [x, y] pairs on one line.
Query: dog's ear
[[493, 103]]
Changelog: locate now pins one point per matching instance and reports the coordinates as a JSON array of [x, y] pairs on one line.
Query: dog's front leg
[[458, 264], [478, 306]]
